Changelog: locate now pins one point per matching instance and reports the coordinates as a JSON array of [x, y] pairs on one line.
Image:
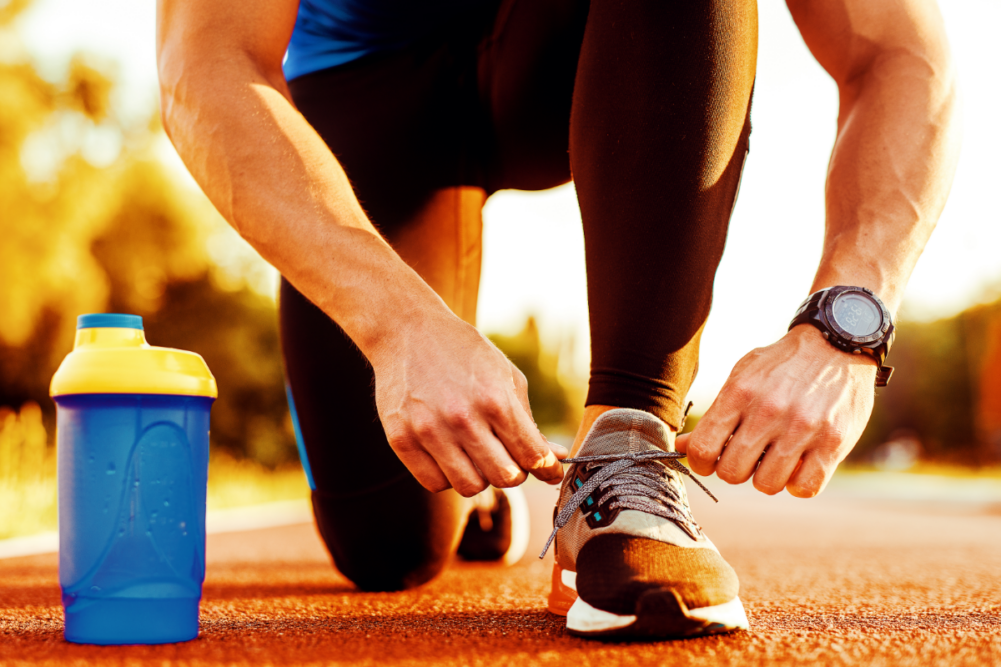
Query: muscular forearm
[[277, 183], [791, 411], [891, 169]]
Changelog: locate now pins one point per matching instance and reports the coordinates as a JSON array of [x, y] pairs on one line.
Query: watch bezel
[[827, 308]]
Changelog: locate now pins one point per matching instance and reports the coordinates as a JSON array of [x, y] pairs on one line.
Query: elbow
[[166, 113], [923, 77], [170, 71], [948, 89], [943, 80]]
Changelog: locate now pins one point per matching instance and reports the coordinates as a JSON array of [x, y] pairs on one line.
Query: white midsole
[[569, 579], [730, 614], [582, 617]]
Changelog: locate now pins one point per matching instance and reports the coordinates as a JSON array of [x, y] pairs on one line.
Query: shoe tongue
[[625, 430]]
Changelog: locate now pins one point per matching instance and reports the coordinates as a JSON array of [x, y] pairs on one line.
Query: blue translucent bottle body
[[132, 471]]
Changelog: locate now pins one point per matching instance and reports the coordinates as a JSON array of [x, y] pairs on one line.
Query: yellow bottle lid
[[111, 356]]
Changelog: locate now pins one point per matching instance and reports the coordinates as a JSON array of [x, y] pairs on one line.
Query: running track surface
[[842, 579]]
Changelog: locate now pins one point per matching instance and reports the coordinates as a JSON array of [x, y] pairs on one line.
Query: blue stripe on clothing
[[300, 445]]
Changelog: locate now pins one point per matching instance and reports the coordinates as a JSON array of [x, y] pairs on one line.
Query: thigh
[[403, 125], [526, 71], [443, 242]]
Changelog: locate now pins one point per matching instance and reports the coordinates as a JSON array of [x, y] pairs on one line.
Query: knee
[[388, 573], [393, 539]]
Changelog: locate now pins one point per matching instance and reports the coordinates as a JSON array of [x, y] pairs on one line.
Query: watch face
[[857, 314]]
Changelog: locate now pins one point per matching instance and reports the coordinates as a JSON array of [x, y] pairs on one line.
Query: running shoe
[[498, 527], [630, 560]]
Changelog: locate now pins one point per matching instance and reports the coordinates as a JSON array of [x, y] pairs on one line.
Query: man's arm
[[454, 408], [800, 399]]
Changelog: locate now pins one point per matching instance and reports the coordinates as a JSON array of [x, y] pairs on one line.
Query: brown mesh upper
[[613, 570]]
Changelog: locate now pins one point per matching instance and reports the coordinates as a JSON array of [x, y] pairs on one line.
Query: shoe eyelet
[[601, 516]]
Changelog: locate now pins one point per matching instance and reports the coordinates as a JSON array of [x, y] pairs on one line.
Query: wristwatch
[[852, 319]]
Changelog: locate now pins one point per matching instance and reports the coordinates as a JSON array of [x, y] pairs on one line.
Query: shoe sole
[[660, 614]]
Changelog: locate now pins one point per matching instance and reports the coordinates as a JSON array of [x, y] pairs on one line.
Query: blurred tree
[[237, 334], [945, 389], [44, 263], [91, 221]]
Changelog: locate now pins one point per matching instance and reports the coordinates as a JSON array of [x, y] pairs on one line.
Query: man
[[428, 107]]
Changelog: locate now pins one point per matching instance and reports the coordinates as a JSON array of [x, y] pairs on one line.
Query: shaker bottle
[[132, 452]]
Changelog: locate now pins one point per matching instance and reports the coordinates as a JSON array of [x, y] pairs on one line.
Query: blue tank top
[[333, 32]]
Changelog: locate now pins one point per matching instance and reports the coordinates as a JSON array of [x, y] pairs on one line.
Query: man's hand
[[788, 414], [456, 411]]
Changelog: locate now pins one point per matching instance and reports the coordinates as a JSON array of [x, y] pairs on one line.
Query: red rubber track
[[836, 580]]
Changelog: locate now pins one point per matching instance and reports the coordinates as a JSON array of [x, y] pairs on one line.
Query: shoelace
[[635, 484]]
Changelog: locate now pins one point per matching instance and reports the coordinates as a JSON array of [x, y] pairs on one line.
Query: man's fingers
[[681, 443], [516, 428], [455, 464], [812, 476], [741, 455], [521, 390], [705, 444], [525, 443], [775, 470], [560, 451], [493, 460], [424, 469]]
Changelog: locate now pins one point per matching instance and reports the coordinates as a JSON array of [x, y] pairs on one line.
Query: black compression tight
[[652, 99]]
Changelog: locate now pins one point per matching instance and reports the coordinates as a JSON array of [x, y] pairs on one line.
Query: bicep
[[848, 37], [194, 31]]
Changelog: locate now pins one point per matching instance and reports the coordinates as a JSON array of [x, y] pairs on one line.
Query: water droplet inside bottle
[[111, 469], [166, 503]]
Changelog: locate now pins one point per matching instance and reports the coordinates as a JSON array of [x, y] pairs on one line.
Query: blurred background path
[[867, 574]]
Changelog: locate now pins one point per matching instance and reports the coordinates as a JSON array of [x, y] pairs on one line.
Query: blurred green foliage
[[92, 221], [945, 390]]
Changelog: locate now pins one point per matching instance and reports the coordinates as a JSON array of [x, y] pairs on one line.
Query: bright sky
[[534, 251]]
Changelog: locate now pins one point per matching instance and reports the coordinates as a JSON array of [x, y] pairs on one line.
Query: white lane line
[[234, 520], [256, 517], [31, 545]]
